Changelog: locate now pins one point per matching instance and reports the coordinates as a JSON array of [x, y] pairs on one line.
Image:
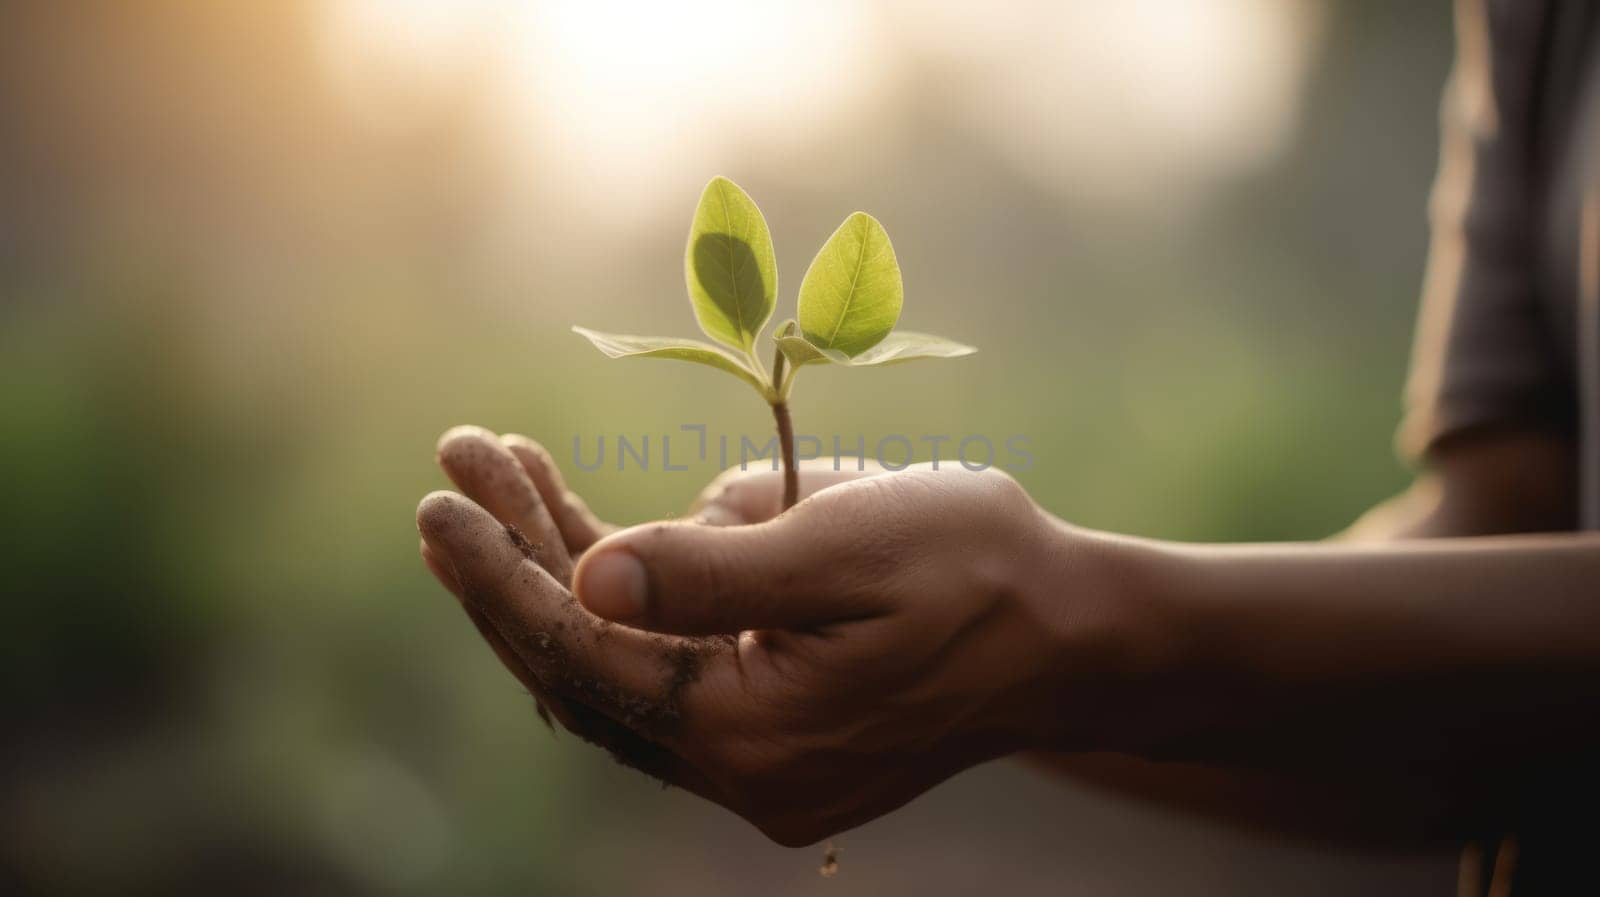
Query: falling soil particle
[[830, 861]]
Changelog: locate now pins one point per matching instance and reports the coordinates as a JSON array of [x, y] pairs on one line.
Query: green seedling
[[849, 303]]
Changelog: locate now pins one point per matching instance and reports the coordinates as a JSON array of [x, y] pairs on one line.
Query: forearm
[[1431, 657], [1371, 812], [1487, 482]]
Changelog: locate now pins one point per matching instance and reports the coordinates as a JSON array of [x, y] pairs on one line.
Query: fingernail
[[613, 586]]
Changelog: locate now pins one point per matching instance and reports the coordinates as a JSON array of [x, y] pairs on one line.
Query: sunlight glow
[[1140, 100], [423, 32], [638, 88]]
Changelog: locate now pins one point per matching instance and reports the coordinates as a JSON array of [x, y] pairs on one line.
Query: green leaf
[[730, 267], [618, 345], [908, 345], [851, 295], [899, 346], [795, 348]]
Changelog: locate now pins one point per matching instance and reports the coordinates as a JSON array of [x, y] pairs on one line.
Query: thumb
[[692, 579]]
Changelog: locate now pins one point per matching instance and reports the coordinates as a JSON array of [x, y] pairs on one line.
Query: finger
[[796, 571], [627, 746], [648, 683], [752, 496], [579, 527], [624, 745], [482, 467], [547, 705]]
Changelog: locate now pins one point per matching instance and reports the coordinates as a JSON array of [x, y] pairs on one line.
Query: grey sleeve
[[1484, 355]]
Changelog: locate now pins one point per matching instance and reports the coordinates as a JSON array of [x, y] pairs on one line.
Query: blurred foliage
[[234, 318]]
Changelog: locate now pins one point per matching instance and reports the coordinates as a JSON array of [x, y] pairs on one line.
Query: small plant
[[849, 302]]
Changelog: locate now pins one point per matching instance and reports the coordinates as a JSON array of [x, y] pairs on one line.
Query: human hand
[[887, 632], [741, 495], [515, 479]]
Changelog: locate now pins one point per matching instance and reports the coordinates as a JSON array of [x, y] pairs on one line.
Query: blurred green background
[[254, 258]]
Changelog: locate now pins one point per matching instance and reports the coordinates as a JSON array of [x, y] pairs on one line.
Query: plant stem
[[791, 477], [778, 392], [780, 410]]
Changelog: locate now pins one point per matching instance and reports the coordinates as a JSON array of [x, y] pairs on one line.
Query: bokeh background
[[255, 257]]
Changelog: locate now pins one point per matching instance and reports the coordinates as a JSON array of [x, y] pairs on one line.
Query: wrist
[[1120, 655]]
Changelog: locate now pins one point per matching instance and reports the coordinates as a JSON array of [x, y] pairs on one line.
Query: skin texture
[[1490, 482], [846, 695], [894, 628]]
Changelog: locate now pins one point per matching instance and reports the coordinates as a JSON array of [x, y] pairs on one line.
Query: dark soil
[[520, 539], [623, 722], [620, 720]]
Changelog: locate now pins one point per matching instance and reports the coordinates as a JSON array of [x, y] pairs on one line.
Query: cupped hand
[[809, 670]]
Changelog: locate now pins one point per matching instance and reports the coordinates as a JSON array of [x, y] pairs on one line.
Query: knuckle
[[1002, 482], [1009, 499]]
